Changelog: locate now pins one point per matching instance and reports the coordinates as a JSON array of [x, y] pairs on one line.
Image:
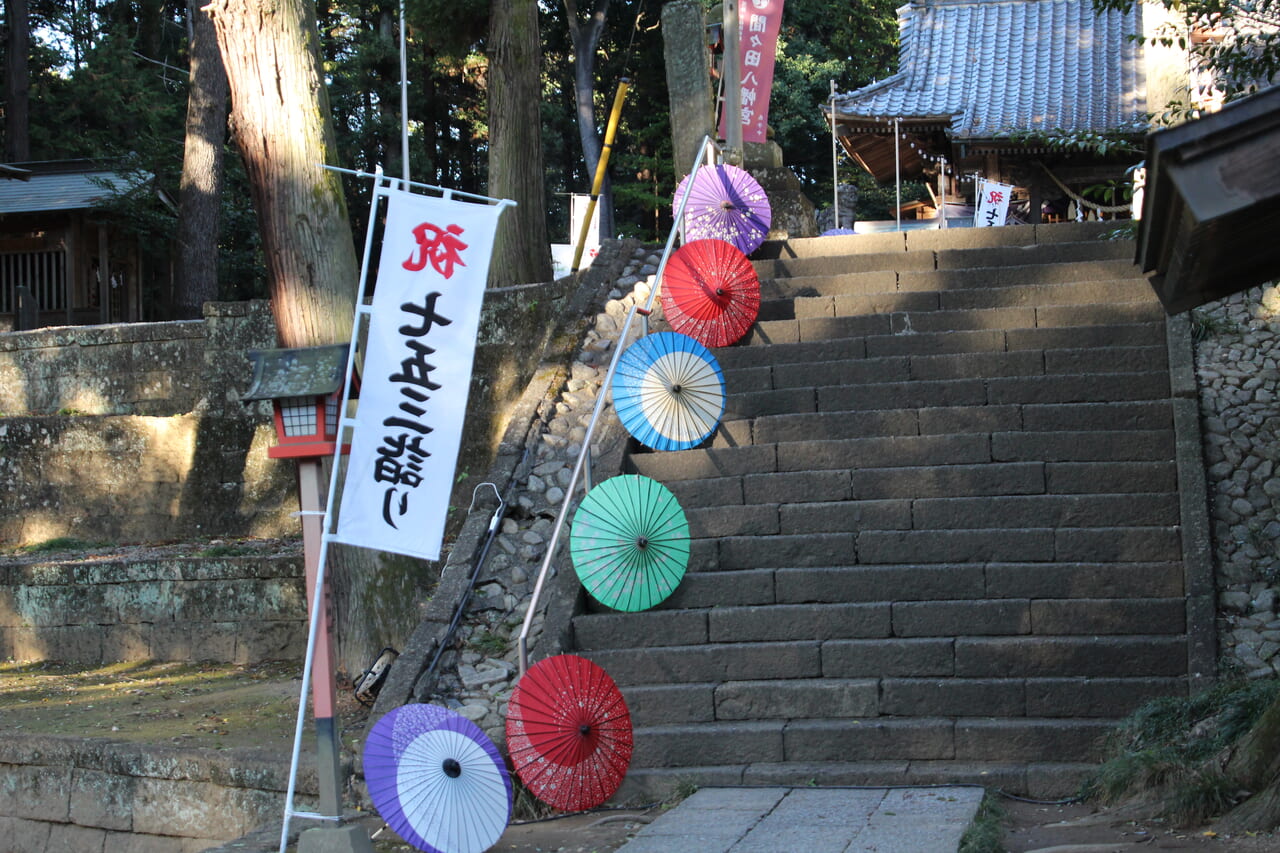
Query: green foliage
[[876, 201], [984, 834], [1108, 144], [1162, 750], [60, 543]]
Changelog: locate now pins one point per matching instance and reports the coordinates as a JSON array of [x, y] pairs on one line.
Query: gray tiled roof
[[58, 191], [992, 66]]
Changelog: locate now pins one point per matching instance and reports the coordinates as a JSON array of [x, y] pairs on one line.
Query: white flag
[[993, 204], [417, 371]]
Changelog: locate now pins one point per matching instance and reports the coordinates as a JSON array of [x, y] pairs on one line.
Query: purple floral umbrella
[[725, 203], [437, 780]]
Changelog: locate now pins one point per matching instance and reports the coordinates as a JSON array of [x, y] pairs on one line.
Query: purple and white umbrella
[[725, 203], [437, 780]]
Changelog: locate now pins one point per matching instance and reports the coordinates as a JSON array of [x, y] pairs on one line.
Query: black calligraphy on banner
[[402, 454]]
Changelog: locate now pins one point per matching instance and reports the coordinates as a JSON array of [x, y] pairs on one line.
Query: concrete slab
[[816, 820]]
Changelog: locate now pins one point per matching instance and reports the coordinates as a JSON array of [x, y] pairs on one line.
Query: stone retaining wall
[[104, 796], [242, 610], [1238, 369]]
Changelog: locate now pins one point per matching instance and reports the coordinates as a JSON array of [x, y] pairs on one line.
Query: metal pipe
[[602, 167], [584, 454]]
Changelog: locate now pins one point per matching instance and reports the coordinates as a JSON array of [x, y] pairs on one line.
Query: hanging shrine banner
[[993, 204], [432, 272], [758, 25]]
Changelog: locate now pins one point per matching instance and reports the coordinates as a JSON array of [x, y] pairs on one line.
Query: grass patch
[[984, 834], [489, 644], [225, 550], [1161, 752], [60, 543]]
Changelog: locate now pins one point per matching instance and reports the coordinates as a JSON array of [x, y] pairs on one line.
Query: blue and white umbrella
[[668, 390]]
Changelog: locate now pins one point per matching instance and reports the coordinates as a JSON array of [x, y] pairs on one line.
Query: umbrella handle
[[602, 166]]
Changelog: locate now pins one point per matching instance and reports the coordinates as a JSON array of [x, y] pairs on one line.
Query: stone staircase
[[937, 536]]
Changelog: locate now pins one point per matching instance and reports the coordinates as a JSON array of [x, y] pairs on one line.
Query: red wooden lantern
[[305, 389]]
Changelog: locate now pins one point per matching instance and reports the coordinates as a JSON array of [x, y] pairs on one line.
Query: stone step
[[1031, 417], [1108, 279], [880, 619], [946, 366], [790, 518], [942, 657], [863, 698], [1046, 780], [744, 355], [876, 739]]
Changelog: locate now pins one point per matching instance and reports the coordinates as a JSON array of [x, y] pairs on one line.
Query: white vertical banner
[[993, 204], [432, 272]]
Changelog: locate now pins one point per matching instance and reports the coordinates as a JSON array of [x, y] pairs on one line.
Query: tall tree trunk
[[522, 252], [283, 128], [17, 82], [586, 40], [280, 119], [200, 194]]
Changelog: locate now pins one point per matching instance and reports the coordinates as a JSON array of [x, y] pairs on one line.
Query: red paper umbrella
[[710, 292], [569, 733]]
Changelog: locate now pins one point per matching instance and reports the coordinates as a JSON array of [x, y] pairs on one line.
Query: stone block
[[952, 697], [693, 664], [1096, 697], [976, 365], [1049, 316], [710, 589], [708, 744], [963, 320], [1043, 511], [19, 835], [1089, 446], [797, 698], [822, 328], [847, 304], [1030, 739], [1113, 387], [69, 838], [697, 464], [127, 642], [1035, 657], [1118, 544], [796, 487], [754, 404], [628, 630], [871, 739], [263, 640], [1117, 334], [1084, 580], [1106, 360], [960, 618], [1108, 616], [880, 451], [717, 491], [102, 800], [36, 792], [880, 583], [749, 552], [835, 425], [663, 705], [942, 546], [887, 658], [902, 395], [933, 343], [839, 516], [199, 809], [1016, 478], [1153, 414], [1113, 477], [861, 372], [783, 622], [720, 521]]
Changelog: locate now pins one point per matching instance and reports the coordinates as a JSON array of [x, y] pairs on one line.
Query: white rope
[[1084, 202]]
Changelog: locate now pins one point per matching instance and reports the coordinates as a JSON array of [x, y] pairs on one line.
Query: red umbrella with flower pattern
[[569, 733], [710, 292]]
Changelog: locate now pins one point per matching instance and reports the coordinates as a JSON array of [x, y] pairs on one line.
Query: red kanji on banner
[[438, 246]]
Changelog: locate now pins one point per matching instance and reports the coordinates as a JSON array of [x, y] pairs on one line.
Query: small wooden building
[[985, 85], [62, 263]]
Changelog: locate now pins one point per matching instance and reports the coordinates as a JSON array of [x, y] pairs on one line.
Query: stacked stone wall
[[1237, 368], [80, 795]]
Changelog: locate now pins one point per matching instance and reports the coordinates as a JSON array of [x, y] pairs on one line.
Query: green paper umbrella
[[630, 542]]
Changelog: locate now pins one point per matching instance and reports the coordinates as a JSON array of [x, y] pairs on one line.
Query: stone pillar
[[688, 61]]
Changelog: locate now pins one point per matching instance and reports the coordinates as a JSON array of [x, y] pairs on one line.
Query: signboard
[[993, 204], [432, 272], [758, 25]]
